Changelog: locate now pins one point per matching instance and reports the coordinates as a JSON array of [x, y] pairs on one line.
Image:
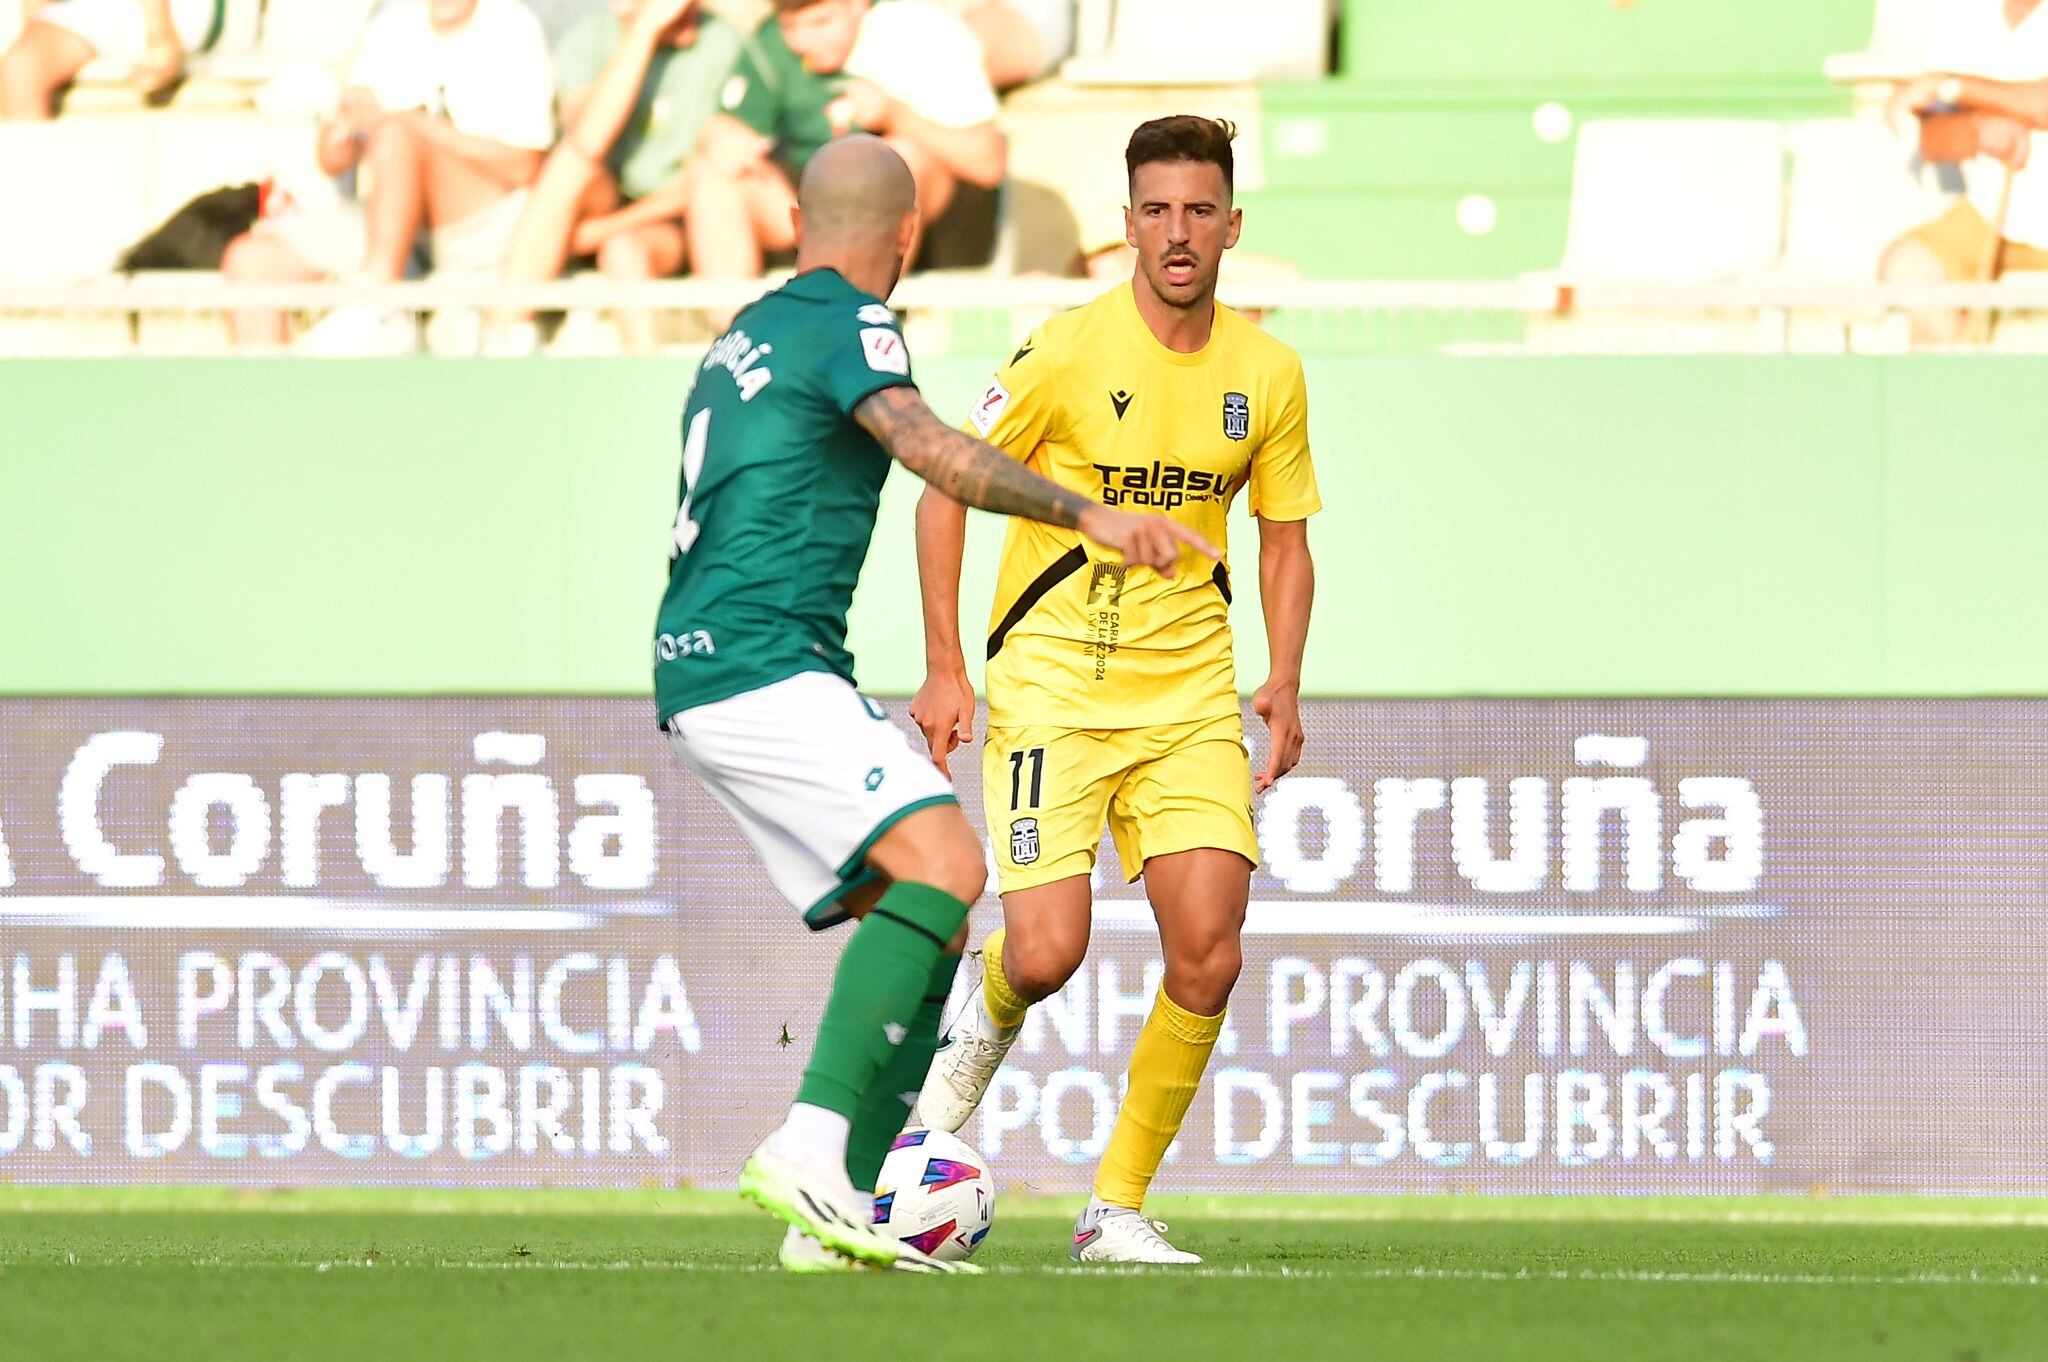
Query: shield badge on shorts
[[1024, 841], [1237, 416]]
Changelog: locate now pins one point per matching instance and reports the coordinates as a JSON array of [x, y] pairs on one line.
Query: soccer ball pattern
[[935, 1194]]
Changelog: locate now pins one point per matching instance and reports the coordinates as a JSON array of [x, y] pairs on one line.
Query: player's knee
[[1038, 964], [1200, 979], [955, 865]]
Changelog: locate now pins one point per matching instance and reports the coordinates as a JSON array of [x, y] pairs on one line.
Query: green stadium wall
[[1630, 526]]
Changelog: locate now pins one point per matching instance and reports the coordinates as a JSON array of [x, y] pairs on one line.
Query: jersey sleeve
[[581, 53], [1015, 412], [1283, 477], [863, 353], [749, 93]]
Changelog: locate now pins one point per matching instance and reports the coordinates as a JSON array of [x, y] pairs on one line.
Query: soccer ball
[[935, 1194]]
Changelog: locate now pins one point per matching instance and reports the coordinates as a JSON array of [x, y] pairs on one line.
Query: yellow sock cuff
[[1190, 1028], [1005, 1008]]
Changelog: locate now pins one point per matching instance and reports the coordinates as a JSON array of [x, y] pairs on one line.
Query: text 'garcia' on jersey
[[1161, 486], [736, 353]]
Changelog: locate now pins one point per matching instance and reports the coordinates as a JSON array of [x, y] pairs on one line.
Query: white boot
[[1116, 1234], [963, 1067]]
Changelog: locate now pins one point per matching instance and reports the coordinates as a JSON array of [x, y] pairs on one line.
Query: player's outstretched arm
[[1287, 589], [943, 708], [979, 474]]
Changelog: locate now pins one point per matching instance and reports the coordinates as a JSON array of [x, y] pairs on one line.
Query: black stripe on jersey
[[1061, 568], [1221, 576]]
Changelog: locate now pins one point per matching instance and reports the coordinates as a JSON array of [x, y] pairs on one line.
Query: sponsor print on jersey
[[1159, 485], [989, 409], [885, 350], [1121, 400], [1023, 841], [876, 314], [1237, 416]]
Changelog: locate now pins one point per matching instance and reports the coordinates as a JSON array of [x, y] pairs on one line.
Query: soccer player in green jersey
[[787, 436]]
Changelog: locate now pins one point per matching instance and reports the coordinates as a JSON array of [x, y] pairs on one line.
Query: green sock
[[881, 980], [880, 1118]]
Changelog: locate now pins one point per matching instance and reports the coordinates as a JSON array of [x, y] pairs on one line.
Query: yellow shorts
[[1171, 787], [1958, 238]]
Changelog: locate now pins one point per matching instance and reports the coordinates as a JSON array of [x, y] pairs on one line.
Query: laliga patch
[[1024, 841], [1237, 416], [885, 350], [875, 314], [989, 409]]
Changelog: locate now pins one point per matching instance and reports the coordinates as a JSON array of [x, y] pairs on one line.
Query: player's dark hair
[[1183, 137]]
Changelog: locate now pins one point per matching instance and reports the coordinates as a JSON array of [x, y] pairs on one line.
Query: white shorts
[[115, 27], [814, 773], [334, 237], [1053, 21]]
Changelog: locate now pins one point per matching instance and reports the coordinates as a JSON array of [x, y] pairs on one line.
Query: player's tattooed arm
[[961, 466]]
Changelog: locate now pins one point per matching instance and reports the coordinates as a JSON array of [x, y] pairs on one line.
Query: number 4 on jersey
[[693, 464]]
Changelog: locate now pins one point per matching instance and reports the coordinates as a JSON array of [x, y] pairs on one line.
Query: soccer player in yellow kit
[[1112, 692]]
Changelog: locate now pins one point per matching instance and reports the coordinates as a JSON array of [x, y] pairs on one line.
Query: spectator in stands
[[149, 37], [639, 80], [1987, 125], [448, 110], [1021, 40], [908, 71]]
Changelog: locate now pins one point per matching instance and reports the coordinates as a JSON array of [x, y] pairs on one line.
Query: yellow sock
[[1166, 1068], [1005, 1008]]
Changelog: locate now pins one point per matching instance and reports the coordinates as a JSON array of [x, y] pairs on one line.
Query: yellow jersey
[[1095, 402]]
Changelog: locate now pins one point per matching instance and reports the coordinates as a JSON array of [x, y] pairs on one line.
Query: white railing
[[1535, 313]]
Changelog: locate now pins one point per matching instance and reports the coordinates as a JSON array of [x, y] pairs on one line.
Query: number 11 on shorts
[[1036, 756]]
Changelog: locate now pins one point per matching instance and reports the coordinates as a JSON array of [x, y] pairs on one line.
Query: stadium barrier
[[1571, 946], [1537, 314]]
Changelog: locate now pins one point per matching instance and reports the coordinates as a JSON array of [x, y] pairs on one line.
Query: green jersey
[[779, 492], [775, 94], [679, 92]]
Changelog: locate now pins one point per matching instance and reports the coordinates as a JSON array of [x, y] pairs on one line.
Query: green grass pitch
[[370, 1275]]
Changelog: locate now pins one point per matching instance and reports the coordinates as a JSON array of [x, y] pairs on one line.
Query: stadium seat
[[241, 24], [1855, 188], [1674, 201], [143, 167], [1199, 42]]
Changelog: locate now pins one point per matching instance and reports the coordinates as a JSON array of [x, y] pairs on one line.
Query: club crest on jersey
[[1024, 841], [1106, 583], [1237, 416]]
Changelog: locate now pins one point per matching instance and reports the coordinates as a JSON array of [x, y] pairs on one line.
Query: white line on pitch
[[1257, 1272]]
